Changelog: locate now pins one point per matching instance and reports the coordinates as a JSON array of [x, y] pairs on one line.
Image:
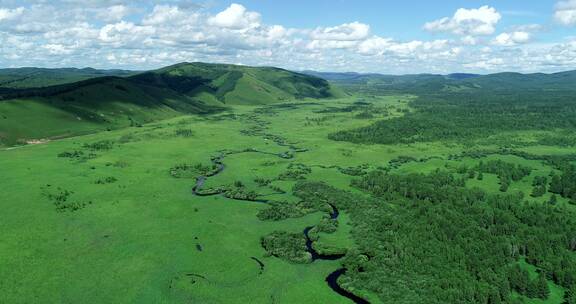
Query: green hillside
[[88, 106], [22, 78], [112, 102], [233, 84]]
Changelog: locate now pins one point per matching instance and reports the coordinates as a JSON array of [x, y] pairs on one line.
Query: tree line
[[445, 116], [426, 238]]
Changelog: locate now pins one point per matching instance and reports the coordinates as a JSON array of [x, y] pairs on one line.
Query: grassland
[[57, 256], [98, 218]]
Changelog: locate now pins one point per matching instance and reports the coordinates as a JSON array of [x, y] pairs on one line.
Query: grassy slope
[[39, 77], [89, 107], [111, 102], [31, 118], [233, 84]]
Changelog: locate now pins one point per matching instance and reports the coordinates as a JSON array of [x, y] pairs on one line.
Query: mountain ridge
[[113, 101], [459, 82]]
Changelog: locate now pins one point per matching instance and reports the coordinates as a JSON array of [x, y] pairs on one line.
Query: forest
[[447, 243], [465, 116]]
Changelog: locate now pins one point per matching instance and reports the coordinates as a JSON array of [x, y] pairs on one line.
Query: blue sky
[[339, 35], [402, 19]]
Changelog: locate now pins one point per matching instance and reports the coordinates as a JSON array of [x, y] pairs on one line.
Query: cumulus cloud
[[162, 14], [236, 17], [124, 34], [57, 49], [560, 55], [10, 14], [565, 12], [74, 33], [519, 34], [144, 34], [473, 22], [330, 44], [345, 32], [114, 13], [487, 64], [513, 38], [378, 46], [375, 45], [470, 40]]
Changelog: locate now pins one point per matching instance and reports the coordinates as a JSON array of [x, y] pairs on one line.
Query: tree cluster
[[565, 184], [429, 239]]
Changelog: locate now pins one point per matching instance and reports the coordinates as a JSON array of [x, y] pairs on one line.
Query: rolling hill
[[22, 78], [536, 81], [458, 82], [110, 102], [233, 84]]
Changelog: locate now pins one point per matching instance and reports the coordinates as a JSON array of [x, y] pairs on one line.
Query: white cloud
[[162, 14], [406, 47], [236, 17], [277, 32], [471, 22], [18, 43], [374, 45], [345, 32], [513, 38], [114, 13], [378, 46], [80, 31], [565, 12], [469, 40], [10, 14], [561, 55], [98, 33], [123, 34], [330, 44], [57, 49], [489, 64]]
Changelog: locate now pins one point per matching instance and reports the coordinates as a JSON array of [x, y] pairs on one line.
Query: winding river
[[332, 280], [315, 255], [218, 162]]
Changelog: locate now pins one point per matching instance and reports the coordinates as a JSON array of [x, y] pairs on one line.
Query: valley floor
[[111, 217]]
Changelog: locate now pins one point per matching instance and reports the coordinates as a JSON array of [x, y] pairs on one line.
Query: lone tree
[[519, 279], [553, 200], [570, 296], [542, 289]]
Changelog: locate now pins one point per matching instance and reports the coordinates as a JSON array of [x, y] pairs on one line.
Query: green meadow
[[166, 205], [144, 237]]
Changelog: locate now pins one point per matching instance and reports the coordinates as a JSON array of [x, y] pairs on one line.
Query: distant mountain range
[[456, 82], [334, 76], [21, 78], [47, 103]]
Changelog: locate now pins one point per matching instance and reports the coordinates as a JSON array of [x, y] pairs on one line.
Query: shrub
[[103, 145], [184, 132], [106, 180], [288, 246]]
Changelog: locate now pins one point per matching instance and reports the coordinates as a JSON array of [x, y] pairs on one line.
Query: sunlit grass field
[[139, 235]]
